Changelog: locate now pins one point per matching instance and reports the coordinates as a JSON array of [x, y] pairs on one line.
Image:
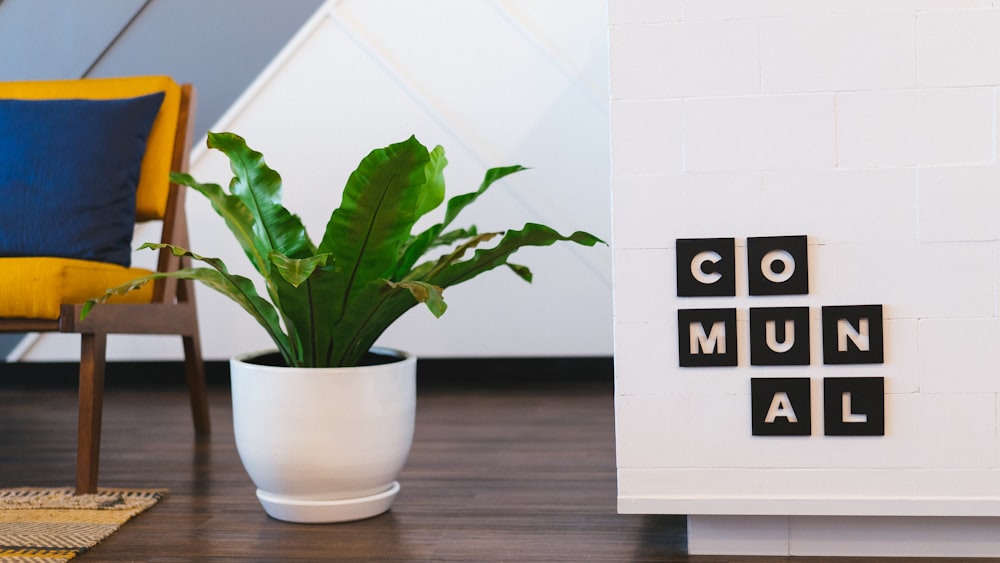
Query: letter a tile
[[780, 406]]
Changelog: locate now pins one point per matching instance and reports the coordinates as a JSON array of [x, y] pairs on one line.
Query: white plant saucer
[[328, 511]]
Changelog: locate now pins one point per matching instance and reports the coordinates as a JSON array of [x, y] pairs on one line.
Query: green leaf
[[455, 254], [376, 214], [451, 237], [432, 237], [310, 311], [303, 294], [297, 270], [486, 259], [432, 193], [259, 188], [236, 215], [425, 293], [460, 202], [122, 289], [376, 306], [330, 304], [522, 271], [217, 277]]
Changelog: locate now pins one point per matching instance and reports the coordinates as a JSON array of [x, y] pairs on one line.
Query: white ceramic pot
[[324, 444]]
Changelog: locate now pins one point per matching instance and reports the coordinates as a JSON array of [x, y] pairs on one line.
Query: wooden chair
[[46, 293]]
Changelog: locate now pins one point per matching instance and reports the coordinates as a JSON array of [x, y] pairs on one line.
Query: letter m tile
[[706, 337]]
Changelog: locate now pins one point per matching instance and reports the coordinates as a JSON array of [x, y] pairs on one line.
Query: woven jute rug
[[43, 525]]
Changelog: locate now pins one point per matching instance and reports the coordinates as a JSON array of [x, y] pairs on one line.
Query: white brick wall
[[958, 48], [652, 137], [959, 203], [915, 127], [831, 43], [760, 133], [871, 127], [729, 48]]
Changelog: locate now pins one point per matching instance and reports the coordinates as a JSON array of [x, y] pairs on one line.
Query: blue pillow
[[68, 175]]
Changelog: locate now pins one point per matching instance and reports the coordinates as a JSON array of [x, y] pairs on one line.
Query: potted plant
[[324, 424]]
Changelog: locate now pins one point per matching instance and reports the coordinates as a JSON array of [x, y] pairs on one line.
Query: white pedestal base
[[861, 536]]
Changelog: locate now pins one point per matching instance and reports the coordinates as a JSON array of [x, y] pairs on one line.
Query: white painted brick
[[958, 48], [729, 9], [638, 212], [645, 285], [921, 431], [899, 448], [648, 137], [653, 431], [996, 269], [760, 133], [996, 123], [874, 483], [915, 127], [654, 211], [639, 481], [955, 354], [934, 280], [957, 431], [645, 358], [959, 203], [868, 482], [902, 359], [830, 206], [856, 52], [836, 206], [941, 5], [900, 369], [684, 59], [961, 482], [721, 436], [644, 11]]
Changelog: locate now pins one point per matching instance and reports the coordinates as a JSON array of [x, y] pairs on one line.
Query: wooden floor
[[511, 473]]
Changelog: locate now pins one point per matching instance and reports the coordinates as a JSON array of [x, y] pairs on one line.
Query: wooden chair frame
[[172, 311]]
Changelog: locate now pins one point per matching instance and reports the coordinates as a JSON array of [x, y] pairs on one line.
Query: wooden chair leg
[[194, 367], [88, 442]]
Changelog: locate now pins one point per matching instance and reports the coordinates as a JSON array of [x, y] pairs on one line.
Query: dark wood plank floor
[[514, 473]]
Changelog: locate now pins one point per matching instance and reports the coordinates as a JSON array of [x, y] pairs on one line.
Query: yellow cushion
[[34, 288], [154, 181]]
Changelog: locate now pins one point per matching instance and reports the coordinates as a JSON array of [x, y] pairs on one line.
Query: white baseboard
[[844, 536]]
